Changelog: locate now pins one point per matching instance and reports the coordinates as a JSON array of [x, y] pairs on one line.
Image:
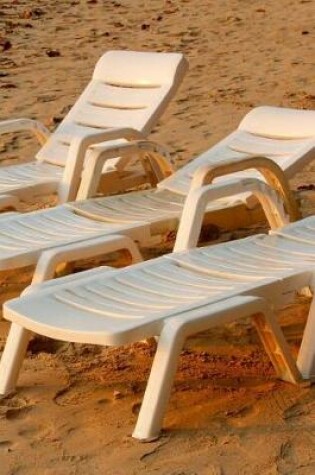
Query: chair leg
[[171, 341], [159, 385], [306, 356], [276, 346], [12, 357]]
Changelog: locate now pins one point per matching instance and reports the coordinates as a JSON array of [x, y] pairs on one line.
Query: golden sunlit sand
[[76, 405]]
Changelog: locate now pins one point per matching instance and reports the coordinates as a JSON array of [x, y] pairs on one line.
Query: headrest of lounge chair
[[280, 123], [139, 69]]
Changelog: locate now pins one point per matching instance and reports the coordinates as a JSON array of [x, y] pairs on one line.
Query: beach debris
[[32, 13], [53, 53], [210, 232], [5, 445], [56, 119], [135, 388], [10, 26], [306, 187], [46, 98], [117, 395], [136, 408], [118, 24], [170, 7], [5, 44], [8, 85]]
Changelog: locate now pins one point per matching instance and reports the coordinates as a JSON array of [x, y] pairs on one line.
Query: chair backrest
[[279, 123], [281, 134], [128, 89]]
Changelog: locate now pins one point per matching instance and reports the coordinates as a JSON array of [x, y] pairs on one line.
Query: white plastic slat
[[129, 296], [43, 228], [257, 145], [106, 95], [204, 282], [103, 117], [147, 201], [300, 231], [85, 300], [156, 284], [67, 130], [286, 250], [29, 174], [149, 205], [223, 259], [245, 253]]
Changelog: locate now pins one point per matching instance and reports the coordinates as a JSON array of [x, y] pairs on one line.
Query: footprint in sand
[[17, 413], [14, 408], [65, 396], [73, 395], [5, 448], [242, 416], [5, 444], [28, 431]]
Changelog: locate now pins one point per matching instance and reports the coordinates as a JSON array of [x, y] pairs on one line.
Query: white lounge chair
[[124, 100], [175, 296], [146, 215]]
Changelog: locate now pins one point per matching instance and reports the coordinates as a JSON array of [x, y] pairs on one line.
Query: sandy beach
[[76, 405]]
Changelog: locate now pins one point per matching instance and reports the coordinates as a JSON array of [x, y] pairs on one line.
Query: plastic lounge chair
[[146, 215], [172, 297], [287, 136], [124, 100]]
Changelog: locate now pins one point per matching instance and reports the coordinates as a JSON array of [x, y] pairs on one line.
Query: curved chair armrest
[[272, 173], [158, 152], [18, 125], [79, 145], [157, 155], [43, 284], [198, 198], [50, 259]]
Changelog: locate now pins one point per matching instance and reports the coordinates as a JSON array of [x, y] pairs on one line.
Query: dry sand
[[76, 405]]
